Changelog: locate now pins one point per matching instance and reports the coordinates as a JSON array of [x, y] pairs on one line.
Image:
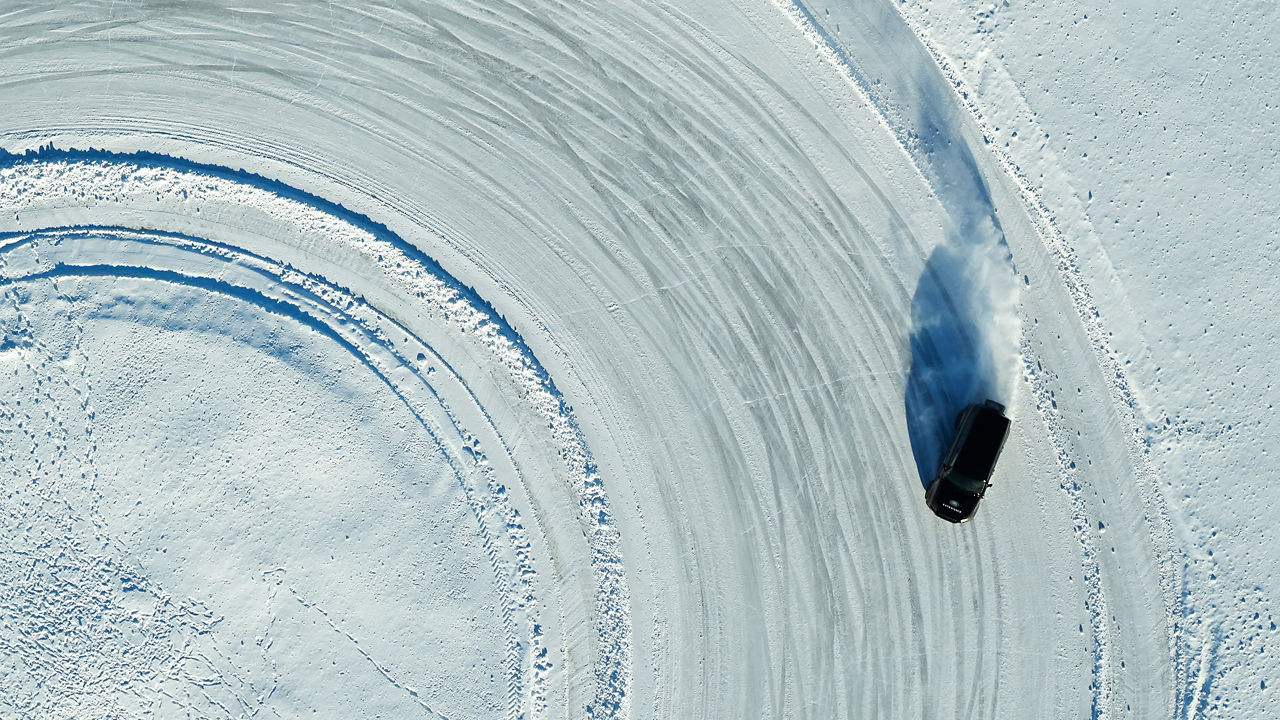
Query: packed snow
[[523, 360]]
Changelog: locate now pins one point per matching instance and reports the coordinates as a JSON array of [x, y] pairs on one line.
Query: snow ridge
[[93, 185]]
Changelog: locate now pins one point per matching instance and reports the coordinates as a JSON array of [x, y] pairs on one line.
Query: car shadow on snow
[[964, 326], [950, 360]]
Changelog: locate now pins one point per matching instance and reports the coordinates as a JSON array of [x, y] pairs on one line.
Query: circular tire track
[[530, 590], [715, 250]]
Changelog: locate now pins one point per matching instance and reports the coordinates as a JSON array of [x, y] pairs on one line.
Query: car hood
[[952, 503]]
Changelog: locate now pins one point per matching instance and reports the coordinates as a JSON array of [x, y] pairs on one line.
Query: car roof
[[986, 435]]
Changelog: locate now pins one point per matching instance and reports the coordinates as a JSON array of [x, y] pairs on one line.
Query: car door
[[957, 442]]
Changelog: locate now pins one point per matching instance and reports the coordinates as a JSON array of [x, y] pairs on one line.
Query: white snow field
[[541, 360]]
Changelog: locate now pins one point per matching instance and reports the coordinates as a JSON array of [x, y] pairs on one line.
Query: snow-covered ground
[[529, 360]]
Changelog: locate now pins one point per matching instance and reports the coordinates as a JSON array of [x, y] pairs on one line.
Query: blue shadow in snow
[[950, 365], [953, 312]]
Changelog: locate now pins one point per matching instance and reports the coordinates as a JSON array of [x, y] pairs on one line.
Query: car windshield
[[966, 483]]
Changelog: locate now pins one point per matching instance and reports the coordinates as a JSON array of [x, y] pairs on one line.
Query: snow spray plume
[[965, 328]]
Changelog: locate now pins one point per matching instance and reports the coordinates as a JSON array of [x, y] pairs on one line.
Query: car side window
[[956, 443]]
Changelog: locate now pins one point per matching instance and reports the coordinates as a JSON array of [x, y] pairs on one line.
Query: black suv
[[966, 469]]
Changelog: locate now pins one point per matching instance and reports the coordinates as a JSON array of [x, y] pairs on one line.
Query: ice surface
[[459, 359]]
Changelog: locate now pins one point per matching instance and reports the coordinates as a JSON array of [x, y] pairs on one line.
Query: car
[[965, 473]]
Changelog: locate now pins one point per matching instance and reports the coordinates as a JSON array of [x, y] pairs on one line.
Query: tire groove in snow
[[109, 179]]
